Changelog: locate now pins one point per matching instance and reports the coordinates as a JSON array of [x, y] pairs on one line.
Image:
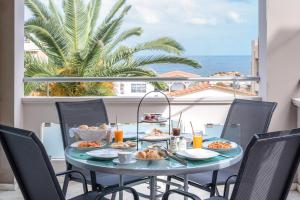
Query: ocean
[[211, 65]]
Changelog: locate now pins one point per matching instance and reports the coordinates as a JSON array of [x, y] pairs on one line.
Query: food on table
[[152, 116], [197, 141], [156, 134], [93, 128], [118, 135], [176, 131], [89, 144], [84, 127], [219, 145], [104, 126], [150, 154], [123, 145]]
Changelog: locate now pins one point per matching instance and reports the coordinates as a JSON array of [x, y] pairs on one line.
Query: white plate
[[76, 144], [116, 161], [197, 154], [156, 138], [104, 153], [233, 146]]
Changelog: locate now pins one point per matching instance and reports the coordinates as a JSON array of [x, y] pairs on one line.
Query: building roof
[[205, 86], [178, 73]]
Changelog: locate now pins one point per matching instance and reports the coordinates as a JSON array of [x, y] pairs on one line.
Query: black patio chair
[[267, 170], [34, 172], [91, 113], [250, 117]]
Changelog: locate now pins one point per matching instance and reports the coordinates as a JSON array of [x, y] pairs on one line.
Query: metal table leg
[[186, 185], [121, 184], [153, 183], [93, 180], [214, 183]]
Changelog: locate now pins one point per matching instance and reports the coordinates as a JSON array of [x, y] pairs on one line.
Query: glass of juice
[[197, 139], [118, 135]]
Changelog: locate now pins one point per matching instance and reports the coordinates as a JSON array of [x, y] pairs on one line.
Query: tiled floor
[[76, 189]]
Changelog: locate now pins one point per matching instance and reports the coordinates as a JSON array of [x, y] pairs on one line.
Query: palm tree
[[77, 44]]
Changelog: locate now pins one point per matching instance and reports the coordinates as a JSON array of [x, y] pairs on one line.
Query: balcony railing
[[235, 80]]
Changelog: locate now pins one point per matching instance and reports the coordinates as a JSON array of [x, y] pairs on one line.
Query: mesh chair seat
[[34, 172], [88, 196], [105, 179], [205, 177], [267, 170], [245, 118], [216, 198], [91, 113]]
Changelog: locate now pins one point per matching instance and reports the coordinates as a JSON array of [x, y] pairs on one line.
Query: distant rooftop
[[174, 74], [206, 86]]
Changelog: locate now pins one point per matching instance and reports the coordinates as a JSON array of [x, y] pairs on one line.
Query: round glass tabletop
[[166, 167]]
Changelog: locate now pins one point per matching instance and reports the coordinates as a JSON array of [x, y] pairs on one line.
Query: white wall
[[279, 59], [279, 63], [39, 110], [11, 73]]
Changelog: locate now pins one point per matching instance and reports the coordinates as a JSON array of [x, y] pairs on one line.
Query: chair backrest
[[268, 167], [30, 164], [73, 114], [252, 117]]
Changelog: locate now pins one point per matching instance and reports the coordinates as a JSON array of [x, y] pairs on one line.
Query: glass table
[[152, 169]]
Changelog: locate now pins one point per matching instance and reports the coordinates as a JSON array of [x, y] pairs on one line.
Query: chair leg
[[65, 185], [93, 180], [169, 179], [113, 196], [214, 183]]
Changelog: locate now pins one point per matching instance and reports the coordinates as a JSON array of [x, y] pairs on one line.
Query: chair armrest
[[227, 185], [112, 190], [186, 194], [83, 179]]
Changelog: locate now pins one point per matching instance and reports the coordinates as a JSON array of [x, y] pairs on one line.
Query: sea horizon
[[211, 65]]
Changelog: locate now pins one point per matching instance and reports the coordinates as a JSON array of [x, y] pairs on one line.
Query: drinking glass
[[197, 139], [118, 135]]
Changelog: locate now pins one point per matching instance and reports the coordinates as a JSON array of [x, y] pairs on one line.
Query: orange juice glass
[[118, 135], [198, 140]]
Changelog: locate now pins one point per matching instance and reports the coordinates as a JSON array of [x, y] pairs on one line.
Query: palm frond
[[37, 8], [50, 36], [123, 36], [113, 11], [94, 12], [37, 67], [76, 25], [162, 59], [55, 12], [165, 44], [114, 27], [125, 71]]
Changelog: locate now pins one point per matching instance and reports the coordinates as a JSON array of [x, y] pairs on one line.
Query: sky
[[203, 27]]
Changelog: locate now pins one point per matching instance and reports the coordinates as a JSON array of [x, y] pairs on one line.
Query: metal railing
[[49, 80]]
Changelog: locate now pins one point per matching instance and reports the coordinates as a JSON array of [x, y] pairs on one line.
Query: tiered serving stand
[[139, 121]]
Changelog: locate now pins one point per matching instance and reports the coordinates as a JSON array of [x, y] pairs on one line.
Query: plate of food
[[156, 135], [104, 154], [197, 154], [91, 133], [220, 145], [123, 145], [150, 154], [153, 118], [87, 145]]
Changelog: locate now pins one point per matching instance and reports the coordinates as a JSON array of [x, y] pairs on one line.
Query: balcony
[[203, 100]]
